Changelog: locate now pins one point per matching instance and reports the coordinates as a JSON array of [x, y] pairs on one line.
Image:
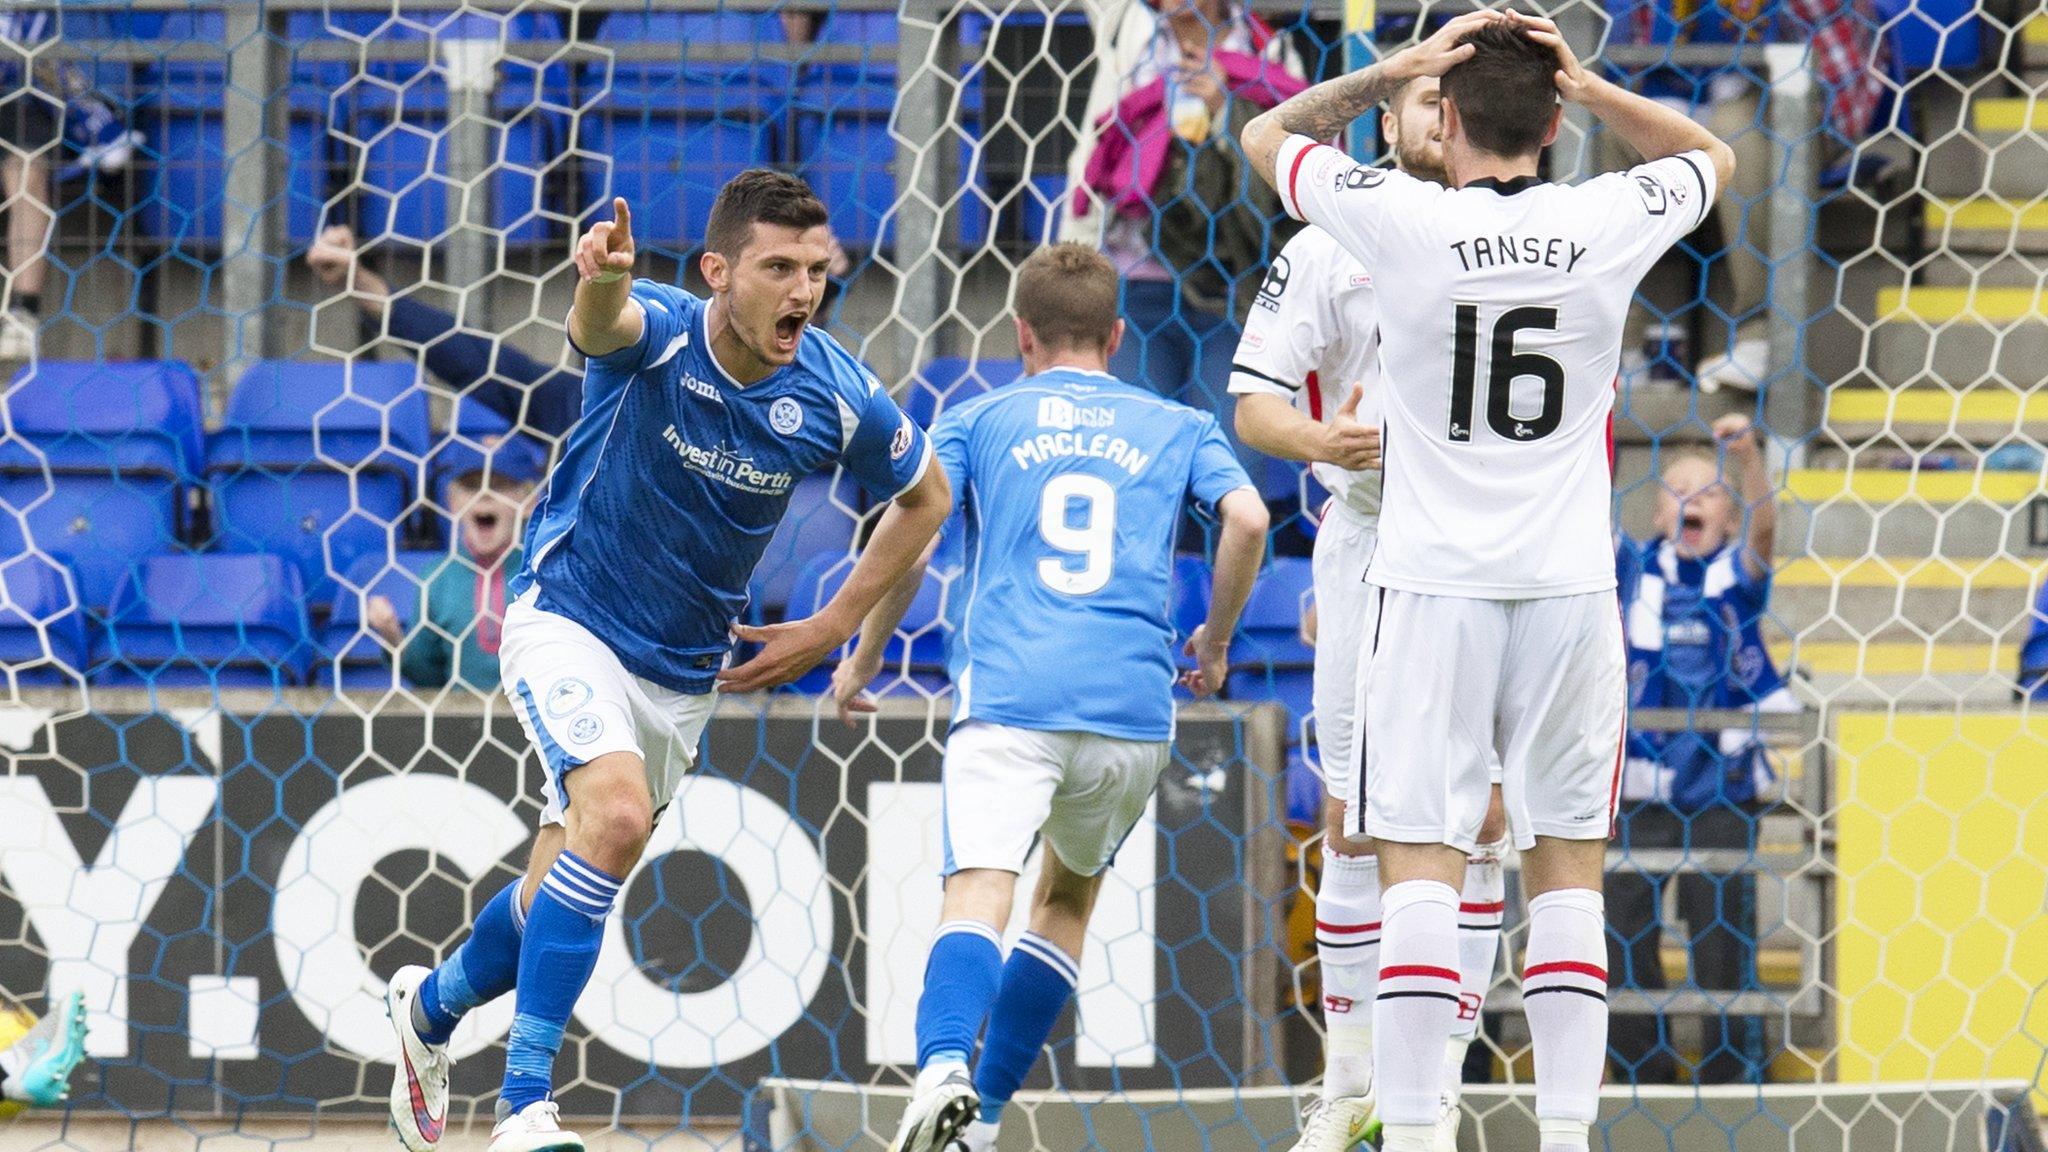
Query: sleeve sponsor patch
[[1657, 198], [1275, 284], [899, 444], [1362, 177]]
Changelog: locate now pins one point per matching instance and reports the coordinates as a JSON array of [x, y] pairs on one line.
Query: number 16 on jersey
[[1505, 365]]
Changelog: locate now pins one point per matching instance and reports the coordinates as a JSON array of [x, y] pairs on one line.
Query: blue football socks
[[960, 976], [564, 930], [1038, 981], [483, 969]]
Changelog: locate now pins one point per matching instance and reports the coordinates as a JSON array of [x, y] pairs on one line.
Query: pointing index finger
[[622, 213]]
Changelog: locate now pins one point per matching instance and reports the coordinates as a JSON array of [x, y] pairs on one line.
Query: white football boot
[[534, 1128], [419, 1077], [938, 1114]]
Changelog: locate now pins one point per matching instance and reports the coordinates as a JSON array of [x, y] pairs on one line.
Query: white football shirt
[[1500, 306], [1311, 335]]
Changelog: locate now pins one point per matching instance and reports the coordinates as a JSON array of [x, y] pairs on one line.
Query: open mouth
[[485, 521], [789, 329], [1692, 526]]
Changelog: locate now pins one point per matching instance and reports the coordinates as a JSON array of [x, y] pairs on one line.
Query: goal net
[[284, 287]]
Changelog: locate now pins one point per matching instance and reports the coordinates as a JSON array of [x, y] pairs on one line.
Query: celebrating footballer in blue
[[1073, 485], [698, 418]]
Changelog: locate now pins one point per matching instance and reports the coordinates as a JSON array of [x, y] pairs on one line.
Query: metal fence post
[[1792, 405], [472, 67], [925, 179], [254, 127]]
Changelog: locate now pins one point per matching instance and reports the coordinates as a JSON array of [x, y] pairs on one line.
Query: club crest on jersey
[[899, 444], [785, 416], [585, 728], [567, 696], [1063, 414]]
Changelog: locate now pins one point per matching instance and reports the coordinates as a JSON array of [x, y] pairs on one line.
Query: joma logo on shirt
[[1060, 412], [726, 468], [702, 388]]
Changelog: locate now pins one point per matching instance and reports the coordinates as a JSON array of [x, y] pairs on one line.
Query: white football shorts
[[1343, 548], [1454, 685], [577, 702], [1003, 786]]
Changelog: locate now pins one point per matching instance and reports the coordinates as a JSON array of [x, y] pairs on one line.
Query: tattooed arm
[[1324, 110]]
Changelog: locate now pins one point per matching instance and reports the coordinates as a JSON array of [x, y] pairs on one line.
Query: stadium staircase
[[1903, 512]]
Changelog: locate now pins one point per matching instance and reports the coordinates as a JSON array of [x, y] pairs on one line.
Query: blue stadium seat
[[285, 413], [1269, 633], [843, 143], [814, 527], [210, 620], [351, 655], [398, 111], [121, 446], [186, 193], [924, 623], [676, 132], [318, 462], [1933, 34], [42, 631], [948, 380], [1190, 591]]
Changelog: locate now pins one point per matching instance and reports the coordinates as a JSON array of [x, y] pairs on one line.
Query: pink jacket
[[1133, 137]]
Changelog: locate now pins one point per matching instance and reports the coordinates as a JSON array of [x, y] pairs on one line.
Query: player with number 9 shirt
[[1073, 485], [1496, 633]]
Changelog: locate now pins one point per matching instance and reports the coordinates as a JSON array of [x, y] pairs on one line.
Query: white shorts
[[1003, 786], [1454, 685], [1344, 546], [577, 702]]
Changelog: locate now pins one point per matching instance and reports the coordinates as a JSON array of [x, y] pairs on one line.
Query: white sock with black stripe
[[1481, 908], [1564, 994], [1415, 1008], [1348, 952]]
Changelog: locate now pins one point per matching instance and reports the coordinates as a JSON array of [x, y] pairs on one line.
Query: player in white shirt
[[1306, 378], [1496, 633]]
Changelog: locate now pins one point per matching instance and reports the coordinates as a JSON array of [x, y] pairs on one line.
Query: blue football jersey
[[1070, 486], [672, 482]]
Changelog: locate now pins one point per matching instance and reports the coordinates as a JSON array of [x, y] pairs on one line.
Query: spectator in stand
[[1708, 294], [2034, 652], [462, 613], [1155, 184], [30, 124], [530, 395], [1693, 600]]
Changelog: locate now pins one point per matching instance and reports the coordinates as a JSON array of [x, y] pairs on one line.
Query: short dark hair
[[1068, 294], [1506, 91], [764, 196]]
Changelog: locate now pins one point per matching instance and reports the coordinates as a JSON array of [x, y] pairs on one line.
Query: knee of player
[[1495, 829], [617, 822]]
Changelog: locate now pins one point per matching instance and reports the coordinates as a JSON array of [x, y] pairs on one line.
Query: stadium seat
[[212, 620], [843, 142], [318, 462], [120, 442], [816, 526], [949, 380], [676, 132], [1269, 633], [351, 655], [1933, 34], [181, 116], [924, 623], [397, 112], [42, 631]]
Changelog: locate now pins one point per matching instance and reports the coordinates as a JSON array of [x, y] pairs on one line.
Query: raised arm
[[1650, 128], [605, 317], [1239, 547], [1752, 483], [1324, 110]]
